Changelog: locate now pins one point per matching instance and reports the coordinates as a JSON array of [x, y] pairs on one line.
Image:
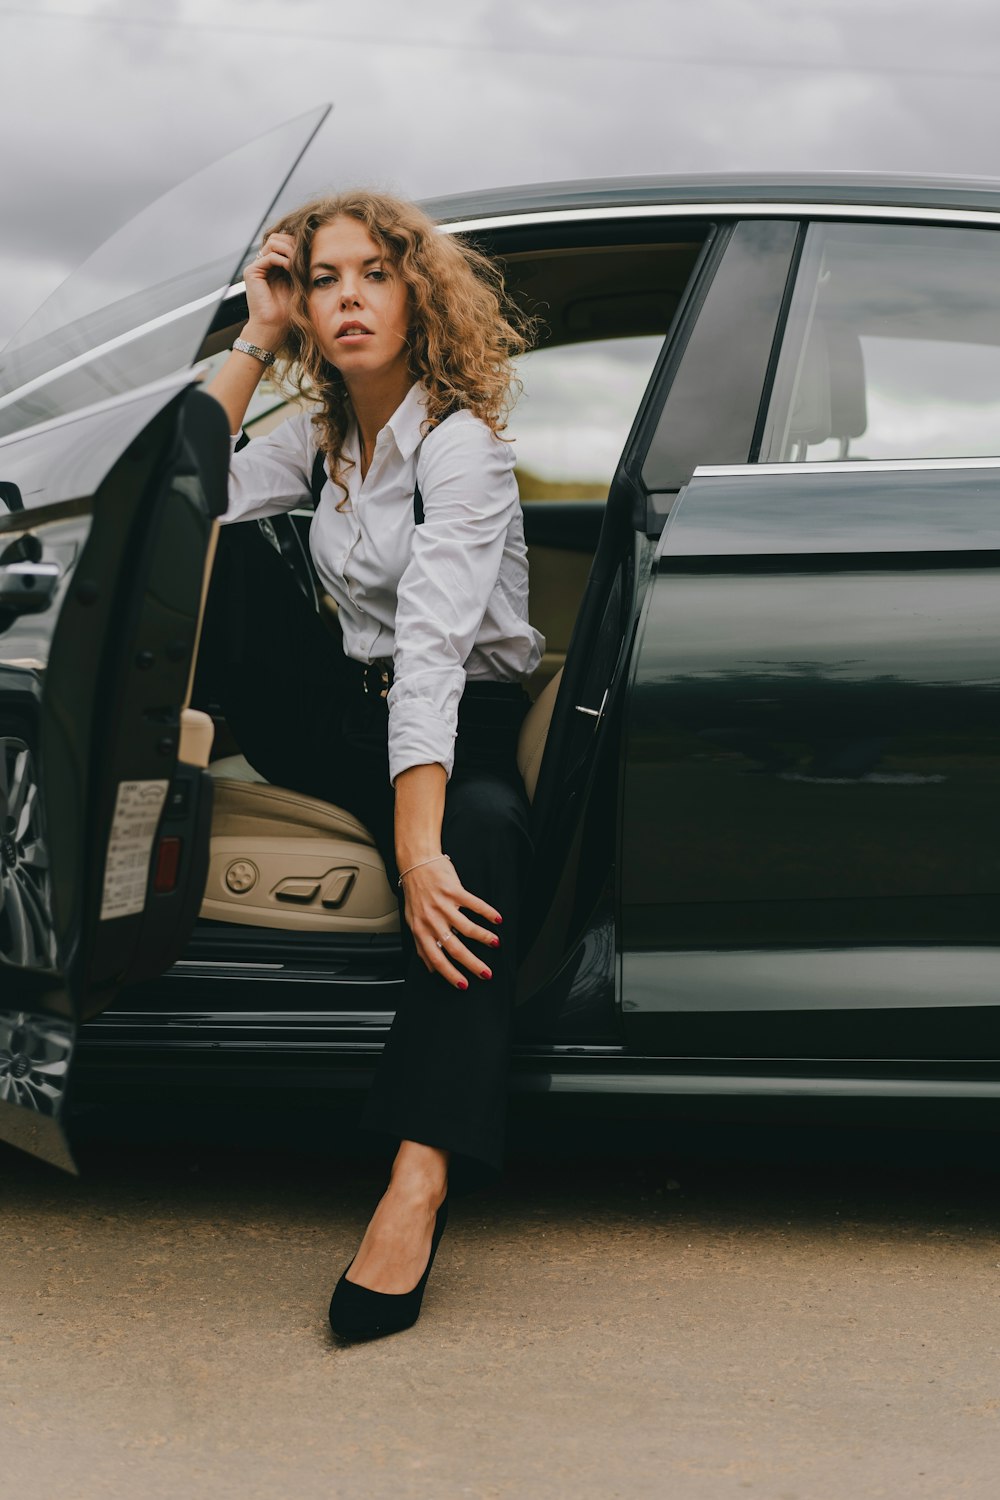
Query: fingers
[[482, 908], [277, 250], [468, 929], [438, 914], [443, 952], [454, 951]]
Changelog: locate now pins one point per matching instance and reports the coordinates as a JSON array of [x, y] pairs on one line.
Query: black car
[[758, 454]]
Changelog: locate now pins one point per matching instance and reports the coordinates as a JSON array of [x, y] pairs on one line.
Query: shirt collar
[[407, 420]]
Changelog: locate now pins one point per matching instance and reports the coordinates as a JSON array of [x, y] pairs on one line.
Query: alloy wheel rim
[[26, 932], [34, 1061]]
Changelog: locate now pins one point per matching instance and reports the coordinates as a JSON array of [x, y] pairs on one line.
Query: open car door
[[113, 466]]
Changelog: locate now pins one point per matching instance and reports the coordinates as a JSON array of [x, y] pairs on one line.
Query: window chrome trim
[[847, 466], [538, 218], [727, 209], [78, 361], [187, 375]]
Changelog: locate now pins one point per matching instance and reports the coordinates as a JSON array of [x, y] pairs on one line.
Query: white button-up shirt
[[446, 600]]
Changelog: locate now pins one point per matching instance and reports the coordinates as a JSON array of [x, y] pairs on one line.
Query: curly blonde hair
[[464, 328]]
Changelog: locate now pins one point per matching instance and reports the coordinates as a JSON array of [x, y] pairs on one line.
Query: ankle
[[420, 1172]]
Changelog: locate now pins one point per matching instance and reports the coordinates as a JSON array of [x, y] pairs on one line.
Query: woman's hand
[[268, 282], [269, 299], [434, 898]]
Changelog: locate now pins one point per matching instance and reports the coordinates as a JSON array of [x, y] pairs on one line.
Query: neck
[[374, 398]]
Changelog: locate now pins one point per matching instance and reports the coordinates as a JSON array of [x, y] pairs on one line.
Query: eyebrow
[[325, 265]]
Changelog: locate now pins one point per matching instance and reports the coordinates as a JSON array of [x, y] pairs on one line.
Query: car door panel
[[106, 830], [111, 472], [813, 758]]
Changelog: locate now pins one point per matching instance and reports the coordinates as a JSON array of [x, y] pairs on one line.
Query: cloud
[[110, 114]]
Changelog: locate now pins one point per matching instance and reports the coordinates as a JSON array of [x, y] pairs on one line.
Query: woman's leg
[[393, 1253], [442, 1078], [276, 668], [441, 1084]]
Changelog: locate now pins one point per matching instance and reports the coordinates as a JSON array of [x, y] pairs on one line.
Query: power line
[[764, 65]]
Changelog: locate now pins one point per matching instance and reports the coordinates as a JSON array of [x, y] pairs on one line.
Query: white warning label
[[133, 828]]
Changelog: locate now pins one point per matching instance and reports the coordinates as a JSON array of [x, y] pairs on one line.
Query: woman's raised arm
[[269, 294]]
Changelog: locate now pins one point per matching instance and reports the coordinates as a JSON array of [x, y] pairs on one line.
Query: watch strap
[[266, 356]]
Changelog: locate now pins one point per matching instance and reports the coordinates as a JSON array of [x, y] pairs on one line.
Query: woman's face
[[358, 304]]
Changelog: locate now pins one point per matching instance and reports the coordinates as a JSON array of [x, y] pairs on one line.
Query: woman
[[403, 339]]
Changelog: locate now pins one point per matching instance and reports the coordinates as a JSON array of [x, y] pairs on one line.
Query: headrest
[[830, 397]]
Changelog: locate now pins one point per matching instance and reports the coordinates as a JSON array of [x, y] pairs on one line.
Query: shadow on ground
[[635, 1309]]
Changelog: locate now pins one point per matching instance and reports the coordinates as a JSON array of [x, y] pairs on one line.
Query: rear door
[[729, 270], [810, 867], [112, 467]]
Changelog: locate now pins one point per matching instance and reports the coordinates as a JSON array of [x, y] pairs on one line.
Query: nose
[[348, 294]]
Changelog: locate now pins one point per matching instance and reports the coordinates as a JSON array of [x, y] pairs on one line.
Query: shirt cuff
[[422, 730]]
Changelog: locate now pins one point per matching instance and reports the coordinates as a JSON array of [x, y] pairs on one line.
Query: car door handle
[[594, 713], [26, 588]]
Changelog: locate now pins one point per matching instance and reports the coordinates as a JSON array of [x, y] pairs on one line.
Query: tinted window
[[137, 309], [892, 348], [712, 407]]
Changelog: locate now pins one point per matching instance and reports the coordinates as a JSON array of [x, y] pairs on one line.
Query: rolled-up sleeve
[[271, 473], [470, 496]]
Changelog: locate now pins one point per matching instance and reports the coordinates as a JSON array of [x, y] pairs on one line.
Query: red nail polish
[[486, 974], [498, 920], [495, 942], [463, 984]]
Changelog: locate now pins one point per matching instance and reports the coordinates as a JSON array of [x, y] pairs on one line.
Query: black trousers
[[297, 708]]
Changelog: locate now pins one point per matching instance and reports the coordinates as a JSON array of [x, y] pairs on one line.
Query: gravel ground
[[622, 1323]]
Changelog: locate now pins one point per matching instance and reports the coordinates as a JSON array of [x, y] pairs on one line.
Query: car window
[[137, 309], [892, 347], [715, 377], [574, 415]]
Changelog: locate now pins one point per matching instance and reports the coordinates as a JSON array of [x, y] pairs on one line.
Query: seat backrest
[[812, 412], [534, 733]]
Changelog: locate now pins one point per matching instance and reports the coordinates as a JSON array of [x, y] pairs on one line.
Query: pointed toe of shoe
[[358, 1312]]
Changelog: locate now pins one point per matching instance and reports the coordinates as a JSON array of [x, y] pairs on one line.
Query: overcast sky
[[106, 103]]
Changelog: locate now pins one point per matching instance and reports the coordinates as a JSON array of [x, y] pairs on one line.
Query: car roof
[[897, 192]]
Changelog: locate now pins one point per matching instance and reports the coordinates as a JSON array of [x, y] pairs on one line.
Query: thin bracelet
[[420, 862]]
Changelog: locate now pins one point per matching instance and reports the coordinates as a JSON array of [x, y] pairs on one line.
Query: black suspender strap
[[317, 480], [418, 499], [318, 477]]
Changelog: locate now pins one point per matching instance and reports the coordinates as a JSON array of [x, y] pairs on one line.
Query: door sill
[[229, 945]]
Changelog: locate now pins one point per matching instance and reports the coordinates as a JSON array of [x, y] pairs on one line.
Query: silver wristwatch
[[265, 356]]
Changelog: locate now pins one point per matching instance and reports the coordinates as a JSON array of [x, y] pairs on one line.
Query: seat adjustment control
[[299, 891], [241, 876], [337, 887]]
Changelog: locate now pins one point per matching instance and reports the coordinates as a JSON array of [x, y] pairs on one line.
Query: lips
[[354, 330]]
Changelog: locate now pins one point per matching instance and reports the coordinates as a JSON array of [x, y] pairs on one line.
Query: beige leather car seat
[[279, 859]]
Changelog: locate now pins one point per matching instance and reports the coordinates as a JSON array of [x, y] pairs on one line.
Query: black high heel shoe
[[358, 1312]]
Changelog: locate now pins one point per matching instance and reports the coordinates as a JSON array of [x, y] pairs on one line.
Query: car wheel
[[26, 935]]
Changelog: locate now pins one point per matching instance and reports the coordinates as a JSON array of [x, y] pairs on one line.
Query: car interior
[[291, 863]]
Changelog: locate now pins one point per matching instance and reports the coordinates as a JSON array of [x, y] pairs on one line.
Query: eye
[[379, 275], [322, 280]]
